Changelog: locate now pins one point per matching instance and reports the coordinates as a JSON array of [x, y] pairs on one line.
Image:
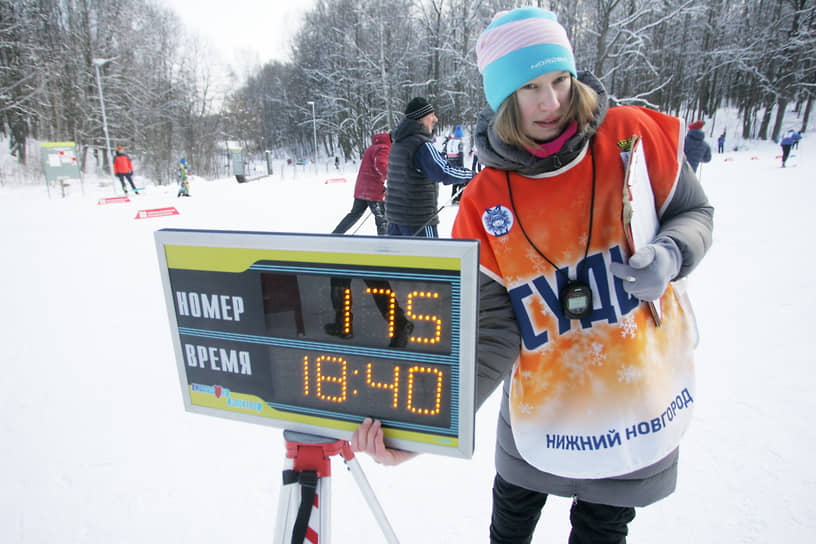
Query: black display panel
[[415, 394], [364, 311]]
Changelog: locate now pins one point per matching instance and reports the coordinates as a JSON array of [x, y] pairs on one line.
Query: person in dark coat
[[788, 140], [369, 189], [415, 167], [456, 157], [475, 165], [123, 168], [695, 147], [721, 143]]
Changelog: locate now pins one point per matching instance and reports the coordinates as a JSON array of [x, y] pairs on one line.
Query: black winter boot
[[339, 328], [402, 332]]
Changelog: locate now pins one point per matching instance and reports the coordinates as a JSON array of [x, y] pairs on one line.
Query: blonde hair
[[582, 106]]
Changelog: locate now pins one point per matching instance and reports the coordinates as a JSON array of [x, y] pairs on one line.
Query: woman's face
[[542, 102]]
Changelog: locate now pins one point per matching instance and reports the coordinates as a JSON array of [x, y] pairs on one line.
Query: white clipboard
[[640, 223]]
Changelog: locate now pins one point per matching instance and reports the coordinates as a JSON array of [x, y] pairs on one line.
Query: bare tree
[[360, 61]]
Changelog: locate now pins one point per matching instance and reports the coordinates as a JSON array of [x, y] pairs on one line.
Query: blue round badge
[[497, 220]]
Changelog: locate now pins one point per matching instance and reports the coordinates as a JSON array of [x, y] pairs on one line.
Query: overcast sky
[[241, 28]]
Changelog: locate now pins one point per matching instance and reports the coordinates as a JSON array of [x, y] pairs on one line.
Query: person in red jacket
[[123, 168], [369, 190]]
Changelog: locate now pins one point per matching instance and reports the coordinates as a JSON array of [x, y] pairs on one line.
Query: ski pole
[[368, 214], [437, 212]]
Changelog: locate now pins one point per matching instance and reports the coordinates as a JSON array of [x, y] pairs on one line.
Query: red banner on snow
[[113, 200], [156, 212], [335, 180]]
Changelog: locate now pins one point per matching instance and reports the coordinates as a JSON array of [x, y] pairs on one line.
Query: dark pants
[[427, 231], [357, 210], [390, 310], [122, 181], [785, 153], [516, 512]]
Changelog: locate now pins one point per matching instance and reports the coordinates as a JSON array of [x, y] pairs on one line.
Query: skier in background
[[695, 147], [721, 143], [475, 165], [790, 138], [415, 167], [456, 158], [369, 189], [181, 178], [123, 168]]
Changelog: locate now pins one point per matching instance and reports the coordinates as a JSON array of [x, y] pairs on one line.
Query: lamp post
[[314, 130], [97, 63]]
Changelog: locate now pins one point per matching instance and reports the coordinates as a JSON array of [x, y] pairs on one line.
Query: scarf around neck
[[546, 149]]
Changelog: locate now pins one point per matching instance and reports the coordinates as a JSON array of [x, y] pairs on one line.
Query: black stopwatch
[[576, 300]]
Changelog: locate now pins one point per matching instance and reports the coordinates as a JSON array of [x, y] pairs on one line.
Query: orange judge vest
[[611, 393]]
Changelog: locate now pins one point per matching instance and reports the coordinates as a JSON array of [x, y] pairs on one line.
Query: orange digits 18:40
[[330, 383]]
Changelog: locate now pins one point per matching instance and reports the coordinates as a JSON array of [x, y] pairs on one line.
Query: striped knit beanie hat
[[418, 108], [519, 46]]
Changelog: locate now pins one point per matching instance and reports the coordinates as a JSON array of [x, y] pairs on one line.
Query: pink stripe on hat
[[503, 39]]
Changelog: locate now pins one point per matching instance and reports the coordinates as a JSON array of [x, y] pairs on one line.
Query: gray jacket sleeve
[[688, 220], [499, 342]]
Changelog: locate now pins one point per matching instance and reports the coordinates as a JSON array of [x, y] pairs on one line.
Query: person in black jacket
[[414, 169], [456, 157]]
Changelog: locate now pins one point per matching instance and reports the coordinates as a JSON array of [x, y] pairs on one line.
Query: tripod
[[305, 517]]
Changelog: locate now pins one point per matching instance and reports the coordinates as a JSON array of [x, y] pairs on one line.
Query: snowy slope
[[95, 445]]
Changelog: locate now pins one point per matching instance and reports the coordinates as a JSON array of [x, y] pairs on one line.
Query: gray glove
[[650, 269]]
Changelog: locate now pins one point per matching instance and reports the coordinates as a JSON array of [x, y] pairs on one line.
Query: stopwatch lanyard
[[591, 214]]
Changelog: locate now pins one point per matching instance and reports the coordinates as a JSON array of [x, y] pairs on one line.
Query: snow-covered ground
[[95, 445]]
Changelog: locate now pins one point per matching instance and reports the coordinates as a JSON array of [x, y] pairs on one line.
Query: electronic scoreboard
[[314, 333]]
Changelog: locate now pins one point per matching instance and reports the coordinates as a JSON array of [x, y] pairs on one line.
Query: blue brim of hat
[[504, 75]]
